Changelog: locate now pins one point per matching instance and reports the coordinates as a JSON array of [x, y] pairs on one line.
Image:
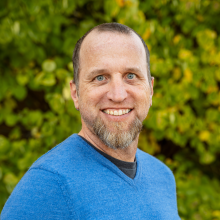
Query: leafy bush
[[37, 39]]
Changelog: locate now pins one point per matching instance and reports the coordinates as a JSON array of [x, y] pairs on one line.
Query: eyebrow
[[98, 71], [101, 71], [133, 70]]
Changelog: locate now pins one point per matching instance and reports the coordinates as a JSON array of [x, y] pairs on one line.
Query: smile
[[117, 112]]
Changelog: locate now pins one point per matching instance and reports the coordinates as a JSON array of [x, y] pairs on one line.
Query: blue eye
[[131, 76], [100, 78]]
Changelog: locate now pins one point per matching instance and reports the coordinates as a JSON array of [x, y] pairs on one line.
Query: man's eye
[[100, 78], [131, 76]]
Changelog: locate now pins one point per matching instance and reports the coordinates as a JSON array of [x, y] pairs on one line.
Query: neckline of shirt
[[129, 168]]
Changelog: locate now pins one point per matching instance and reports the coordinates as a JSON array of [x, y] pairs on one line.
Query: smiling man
[[99, 173]]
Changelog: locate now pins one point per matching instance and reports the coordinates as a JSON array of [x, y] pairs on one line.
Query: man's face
[[114, 93]]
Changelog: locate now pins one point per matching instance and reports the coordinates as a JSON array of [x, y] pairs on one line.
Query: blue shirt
[[74, 181]]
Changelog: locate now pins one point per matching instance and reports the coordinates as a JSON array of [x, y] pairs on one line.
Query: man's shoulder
[[61, 155], [153, 165], [147, 158]]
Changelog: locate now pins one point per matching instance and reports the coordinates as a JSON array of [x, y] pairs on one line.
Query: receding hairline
[[100, 31], [95, 30]]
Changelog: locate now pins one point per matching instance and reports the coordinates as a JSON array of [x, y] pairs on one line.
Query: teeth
[[117, 112]]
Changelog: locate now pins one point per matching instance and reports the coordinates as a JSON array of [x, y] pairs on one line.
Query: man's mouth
[[117, 112]]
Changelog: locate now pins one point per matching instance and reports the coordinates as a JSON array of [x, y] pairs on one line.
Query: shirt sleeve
[[39, 195]]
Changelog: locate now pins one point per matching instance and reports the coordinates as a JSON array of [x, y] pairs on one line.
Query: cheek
[[90, 98], [143, 102]]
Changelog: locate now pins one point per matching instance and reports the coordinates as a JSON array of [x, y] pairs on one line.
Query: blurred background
[[182, 129]]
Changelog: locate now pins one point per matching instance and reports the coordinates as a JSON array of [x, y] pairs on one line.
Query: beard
[[122, 135]]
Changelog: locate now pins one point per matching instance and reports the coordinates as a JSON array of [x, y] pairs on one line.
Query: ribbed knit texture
[[74, 181]]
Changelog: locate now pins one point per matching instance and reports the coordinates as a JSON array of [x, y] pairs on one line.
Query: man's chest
[[110, 197]]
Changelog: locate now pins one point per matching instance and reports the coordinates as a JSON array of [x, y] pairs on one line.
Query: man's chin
[[117, 135], [117, 127]]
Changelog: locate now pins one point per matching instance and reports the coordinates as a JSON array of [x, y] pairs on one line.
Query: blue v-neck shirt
[[74, 181]]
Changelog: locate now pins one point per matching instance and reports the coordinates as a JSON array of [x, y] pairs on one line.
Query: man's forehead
[[97, 40]]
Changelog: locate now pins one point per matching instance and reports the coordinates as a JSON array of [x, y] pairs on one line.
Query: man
[[99, 173]]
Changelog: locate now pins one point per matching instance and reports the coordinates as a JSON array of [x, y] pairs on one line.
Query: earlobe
[[74, 95]]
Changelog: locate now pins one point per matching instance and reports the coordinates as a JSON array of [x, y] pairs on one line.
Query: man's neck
[[127, 154]]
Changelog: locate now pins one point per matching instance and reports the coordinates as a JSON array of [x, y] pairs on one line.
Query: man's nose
[[117, 91]]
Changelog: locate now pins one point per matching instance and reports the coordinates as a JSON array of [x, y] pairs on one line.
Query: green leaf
[[111, 8], [4, 145], [5, 31], [10, 179], [19, 92], [56, 102], [22, 79], [207, 158], [45, 79], [11, 119], [49, 65]]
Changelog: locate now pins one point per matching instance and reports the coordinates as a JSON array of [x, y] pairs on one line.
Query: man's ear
[[152, 86], [152, 89], [74, 95]]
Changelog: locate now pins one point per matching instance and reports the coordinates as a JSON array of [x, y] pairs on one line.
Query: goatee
[[119, 138]]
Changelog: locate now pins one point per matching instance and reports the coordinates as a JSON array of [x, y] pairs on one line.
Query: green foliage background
[[37, 39]]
